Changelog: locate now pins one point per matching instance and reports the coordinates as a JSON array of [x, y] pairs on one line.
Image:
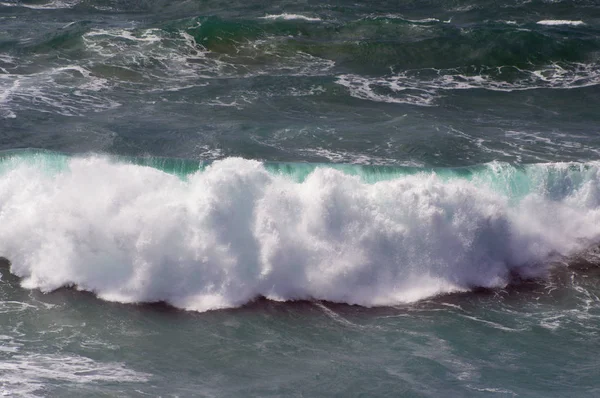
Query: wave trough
[[237, 229]]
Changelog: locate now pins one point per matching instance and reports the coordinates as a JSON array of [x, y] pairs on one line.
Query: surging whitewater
[[224, 235]]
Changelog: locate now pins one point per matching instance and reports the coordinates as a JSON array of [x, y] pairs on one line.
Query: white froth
[[26, 375], [288, 17], [70, 91], [403, 18], [181, 59], [355, 158], [51, 5], [175, 58], [365, 88], [424, 86], [7, 307], [554, 22], [225, 235], [423, 20]]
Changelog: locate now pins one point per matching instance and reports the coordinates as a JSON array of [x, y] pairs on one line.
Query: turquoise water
[[231, 199]]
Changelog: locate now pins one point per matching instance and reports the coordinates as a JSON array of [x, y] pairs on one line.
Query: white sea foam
[[288, 17], [235, 231], [175, 60], [26, 375], [5, 95], [14, 306], [354, 158], [152, 54], [51, 5], [402, 17], [424, 86], [5, 58], [397, 89], [70, 91], [423, 20], [554, 22]]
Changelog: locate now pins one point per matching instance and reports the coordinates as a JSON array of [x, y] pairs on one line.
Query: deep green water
[[299, 199]]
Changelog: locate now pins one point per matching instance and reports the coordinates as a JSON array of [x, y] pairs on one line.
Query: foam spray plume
[[219, 236]]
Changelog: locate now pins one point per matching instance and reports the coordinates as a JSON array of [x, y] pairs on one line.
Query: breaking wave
[[209, 236]]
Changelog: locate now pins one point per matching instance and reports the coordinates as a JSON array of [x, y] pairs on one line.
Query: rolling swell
[[222, 234], [373, 45], [366, 45]]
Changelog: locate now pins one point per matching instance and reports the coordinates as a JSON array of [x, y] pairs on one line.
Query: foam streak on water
[[286, 16], [26, 375], [423, 87]]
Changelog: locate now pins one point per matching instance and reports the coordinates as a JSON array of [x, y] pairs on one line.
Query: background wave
[[438, 85]]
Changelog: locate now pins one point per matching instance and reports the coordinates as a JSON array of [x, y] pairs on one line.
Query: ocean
[[299, 198]]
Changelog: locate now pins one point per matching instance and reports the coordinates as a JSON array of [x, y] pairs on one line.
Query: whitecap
[[555, 22], [288, 17]]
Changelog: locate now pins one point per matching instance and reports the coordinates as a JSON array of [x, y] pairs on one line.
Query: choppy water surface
[[324, 198]]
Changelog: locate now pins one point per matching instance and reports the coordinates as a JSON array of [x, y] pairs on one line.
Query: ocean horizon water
[[299, 199]]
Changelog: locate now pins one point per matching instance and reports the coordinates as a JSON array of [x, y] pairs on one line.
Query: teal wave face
[[552, 180]]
